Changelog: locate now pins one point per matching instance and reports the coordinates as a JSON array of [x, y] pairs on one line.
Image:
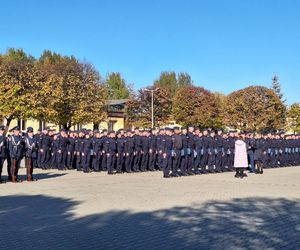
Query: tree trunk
[[8, 121], [96, 126]]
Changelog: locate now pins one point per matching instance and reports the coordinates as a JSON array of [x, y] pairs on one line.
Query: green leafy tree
[[255, 108], [172, 82], [69, 92], [17, 73], [117, 87], [294, 117], [196, 106], [276, 87]]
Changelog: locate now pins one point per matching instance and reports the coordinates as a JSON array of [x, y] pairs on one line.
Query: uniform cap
[[29, 130], [16, 128]]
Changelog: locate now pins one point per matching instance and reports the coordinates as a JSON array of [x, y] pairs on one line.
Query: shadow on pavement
[[42, 222]]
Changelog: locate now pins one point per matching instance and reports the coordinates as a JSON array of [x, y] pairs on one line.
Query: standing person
[[190, 150], [137, 150], [70, 150], [16, 148], [79, 143], [30, 142], [167, 154], [3, 148], [240, 157], [230, 151], [219, 141], [198, 150], [250, 150], [120, 152], [212, 152], [152, 150], [184, 152], [38, 138], [176, 151], [145, 150], [128, 150], [205, 151], [97, 150], [53, 152], [110, 147], [258, 153], [104, 155], [86, 153], [44, 149], [62, 150], [161, 141]]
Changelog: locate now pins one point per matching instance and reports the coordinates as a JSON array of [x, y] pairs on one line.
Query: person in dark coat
[[176, 151], [205, 145], [161, 141], [97, 151], [86, 153], [53, 152], [137, 150], [128, 150], [219, 145], [62, 150], [30, 153], [16, 150], [250, 141], [258, 153], [184, 152], [45, 149], [3, 150], [120, 152], [212, 152], [110, 147], [198, 151], [70, 151], [152, 150], [145, 150], [167, 154]]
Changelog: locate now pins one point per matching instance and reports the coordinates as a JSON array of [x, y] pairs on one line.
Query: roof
[[116, 101]]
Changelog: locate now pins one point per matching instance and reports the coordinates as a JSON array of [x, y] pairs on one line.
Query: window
[[111, 125]]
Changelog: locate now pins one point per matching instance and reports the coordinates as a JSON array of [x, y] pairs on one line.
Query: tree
[[172, 82], [117, 87], [276, 87], [255, 108], [69, 91], [220, 110], [294, 117], [184, 79], [16, 80], [196, 106], [139, 108]]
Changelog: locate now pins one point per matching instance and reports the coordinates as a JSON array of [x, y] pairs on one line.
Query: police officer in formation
[[176, 152]]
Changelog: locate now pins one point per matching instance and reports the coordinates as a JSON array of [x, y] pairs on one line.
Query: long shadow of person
[[43, 222]]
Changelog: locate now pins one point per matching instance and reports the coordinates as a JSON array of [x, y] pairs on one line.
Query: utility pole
[[152, 104]]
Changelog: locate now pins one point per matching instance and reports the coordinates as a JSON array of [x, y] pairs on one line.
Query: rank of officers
[[174, 151]]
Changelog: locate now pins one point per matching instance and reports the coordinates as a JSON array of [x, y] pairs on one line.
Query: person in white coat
[[240, 157]]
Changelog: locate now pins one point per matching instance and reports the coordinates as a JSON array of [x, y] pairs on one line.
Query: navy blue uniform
[[16, 150], [71, 153], [128, 150], [3, 151], [86, 154], [120, 154], [109, 147], [30, 155]]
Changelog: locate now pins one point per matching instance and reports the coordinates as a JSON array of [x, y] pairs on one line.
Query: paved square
[[72, 210]]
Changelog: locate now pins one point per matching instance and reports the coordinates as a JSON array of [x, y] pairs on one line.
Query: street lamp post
[[152, 101]]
